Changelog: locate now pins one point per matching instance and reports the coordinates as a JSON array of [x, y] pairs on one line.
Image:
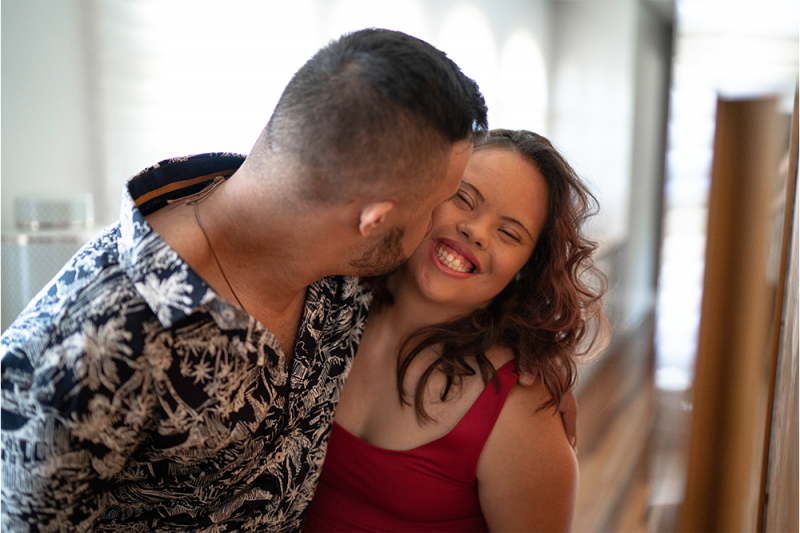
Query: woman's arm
[[568, 408], [527, 472]]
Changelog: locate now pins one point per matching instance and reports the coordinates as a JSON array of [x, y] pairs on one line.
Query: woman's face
[[482, 237]]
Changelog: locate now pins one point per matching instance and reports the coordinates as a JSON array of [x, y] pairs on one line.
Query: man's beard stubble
[[383, 257]]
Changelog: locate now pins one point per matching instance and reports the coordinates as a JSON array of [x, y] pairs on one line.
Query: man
[[138, 396]]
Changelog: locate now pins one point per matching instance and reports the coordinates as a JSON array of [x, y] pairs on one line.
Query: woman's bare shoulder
[[527, 472]]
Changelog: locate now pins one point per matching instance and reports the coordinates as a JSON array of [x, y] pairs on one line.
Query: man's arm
[[71, 416]]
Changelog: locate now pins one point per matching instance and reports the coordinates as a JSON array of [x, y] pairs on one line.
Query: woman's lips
[[460, 250], [454, 259]]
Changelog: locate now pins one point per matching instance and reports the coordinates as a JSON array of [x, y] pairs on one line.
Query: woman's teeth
[[452, 261]]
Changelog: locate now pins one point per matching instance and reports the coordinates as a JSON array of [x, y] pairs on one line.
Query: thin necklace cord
[[195, 199]]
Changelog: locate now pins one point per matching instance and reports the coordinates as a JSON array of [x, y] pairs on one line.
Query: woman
[[431, 433]]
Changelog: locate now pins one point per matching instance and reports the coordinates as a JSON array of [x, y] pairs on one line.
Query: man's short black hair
[[373, 105]]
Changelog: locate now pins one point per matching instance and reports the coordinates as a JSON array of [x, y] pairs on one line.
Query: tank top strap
[[474, 428]]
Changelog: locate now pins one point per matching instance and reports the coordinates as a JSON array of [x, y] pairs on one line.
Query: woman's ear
[[372, 216]]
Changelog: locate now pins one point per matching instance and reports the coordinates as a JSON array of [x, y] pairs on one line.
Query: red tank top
[[429, 488]]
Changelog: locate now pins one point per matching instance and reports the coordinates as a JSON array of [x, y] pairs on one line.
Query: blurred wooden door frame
[[732, 383], [779, 483]]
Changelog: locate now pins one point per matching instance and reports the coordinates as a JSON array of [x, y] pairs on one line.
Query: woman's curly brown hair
[[549, 314]]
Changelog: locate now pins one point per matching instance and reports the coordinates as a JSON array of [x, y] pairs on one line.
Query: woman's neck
[[411, 310]]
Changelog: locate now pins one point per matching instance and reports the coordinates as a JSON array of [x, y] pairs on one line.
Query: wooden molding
[[781, 462], [731, 382]]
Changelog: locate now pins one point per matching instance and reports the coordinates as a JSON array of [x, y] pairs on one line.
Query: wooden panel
[[614, 421], [610, 468], [782, 504], [731, 382]]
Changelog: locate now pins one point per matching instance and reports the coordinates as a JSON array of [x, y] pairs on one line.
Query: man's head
[[375, 116]]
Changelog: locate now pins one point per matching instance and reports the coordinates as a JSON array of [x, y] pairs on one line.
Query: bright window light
[[523, 84], [407, 16], [468, 40]]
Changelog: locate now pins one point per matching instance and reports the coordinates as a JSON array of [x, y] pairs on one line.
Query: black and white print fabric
[[134, 398]]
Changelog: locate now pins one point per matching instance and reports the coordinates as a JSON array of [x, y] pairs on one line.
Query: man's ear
[[372, 216]]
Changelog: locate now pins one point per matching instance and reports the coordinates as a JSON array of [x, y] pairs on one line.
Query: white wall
[[611, 61], [591, 109], [648, 147], [46, 145]]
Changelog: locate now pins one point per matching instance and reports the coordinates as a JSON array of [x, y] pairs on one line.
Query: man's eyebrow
[[507, 218]]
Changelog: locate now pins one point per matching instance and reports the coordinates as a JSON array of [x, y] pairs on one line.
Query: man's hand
[[569, 417], [568, 409]]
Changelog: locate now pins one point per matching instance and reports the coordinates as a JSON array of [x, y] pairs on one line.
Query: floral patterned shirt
[[134, 398]]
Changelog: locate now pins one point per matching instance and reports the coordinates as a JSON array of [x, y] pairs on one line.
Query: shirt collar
[[169, 286]]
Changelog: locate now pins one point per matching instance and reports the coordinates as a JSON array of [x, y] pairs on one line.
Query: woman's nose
[[475, 232]]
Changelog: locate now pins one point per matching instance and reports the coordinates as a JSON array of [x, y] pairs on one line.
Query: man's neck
[[262, 260]]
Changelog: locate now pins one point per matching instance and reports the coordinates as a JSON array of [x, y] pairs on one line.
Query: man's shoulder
[[89, 290], [342, 295], [334, 291]]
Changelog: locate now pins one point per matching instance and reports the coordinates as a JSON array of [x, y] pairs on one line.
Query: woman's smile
[[455, 258]]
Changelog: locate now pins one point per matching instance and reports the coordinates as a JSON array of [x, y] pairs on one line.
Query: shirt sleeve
[[72, 413]]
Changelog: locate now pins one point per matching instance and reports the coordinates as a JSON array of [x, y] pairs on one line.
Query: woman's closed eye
[[463, 199], [510, 236]]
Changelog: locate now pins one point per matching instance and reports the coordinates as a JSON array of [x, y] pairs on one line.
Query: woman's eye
[[510, 236], [463, 199]]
